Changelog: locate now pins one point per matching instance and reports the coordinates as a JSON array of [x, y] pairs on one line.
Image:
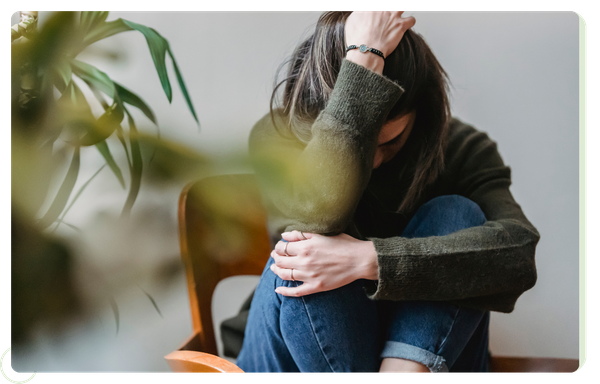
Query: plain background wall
[[514, 76]]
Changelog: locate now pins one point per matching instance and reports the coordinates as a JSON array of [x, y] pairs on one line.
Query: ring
[[303, 235], [292, 274], [285, 250]]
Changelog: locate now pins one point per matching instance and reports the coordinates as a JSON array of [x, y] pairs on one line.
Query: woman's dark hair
[[312, 73]]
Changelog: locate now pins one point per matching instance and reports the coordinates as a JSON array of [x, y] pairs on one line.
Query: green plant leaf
[[104, 127], [62, 217], [53, 41], [115, 309], [61, 75], [136, 166], [73, 106], [103, 149], [183, 87], [72, 226], [158, 46], [131, 98], [93, 75], [78, 98], [68, 110], [75, 115], [104, 30], [60, 201], [90, 19], [151, 300], [121, 137]]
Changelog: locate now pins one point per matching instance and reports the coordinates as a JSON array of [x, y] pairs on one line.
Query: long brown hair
[[312, 73]]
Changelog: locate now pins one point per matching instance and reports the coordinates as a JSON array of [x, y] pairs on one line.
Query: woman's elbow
[[527, 274]]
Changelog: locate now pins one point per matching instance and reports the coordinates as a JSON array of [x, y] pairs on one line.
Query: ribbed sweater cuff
[[388, 270]]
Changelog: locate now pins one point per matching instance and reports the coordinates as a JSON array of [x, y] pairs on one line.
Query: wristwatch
[[364, 49]]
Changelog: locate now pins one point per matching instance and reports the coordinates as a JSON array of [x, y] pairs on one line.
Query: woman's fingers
[[296, 236], [287, 273], [408, 22], [302, 290], [286, 248], [382, 30], [284, 261], [292, 274], [290, 242], [403, 24]]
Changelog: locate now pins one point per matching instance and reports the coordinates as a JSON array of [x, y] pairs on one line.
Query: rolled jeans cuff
[[405, 351]]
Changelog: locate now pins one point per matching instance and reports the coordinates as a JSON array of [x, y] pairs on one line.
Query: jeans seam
[[449, 331], [312, 326]]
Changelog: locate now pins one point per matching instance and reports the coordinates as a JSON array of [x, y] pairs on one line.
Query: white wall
[[515, 76]]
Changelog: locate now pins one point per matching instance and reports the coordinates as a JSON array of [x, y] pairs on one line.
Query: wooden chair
[[223, 233]]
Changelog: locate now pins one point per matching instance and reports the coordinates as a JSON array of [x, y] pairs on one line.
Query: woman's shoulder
[[462, 134], [458, 128], [467, 144]]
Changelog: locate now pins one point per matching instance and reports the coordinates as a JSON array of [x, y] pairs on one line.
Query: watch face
[[363, 48]]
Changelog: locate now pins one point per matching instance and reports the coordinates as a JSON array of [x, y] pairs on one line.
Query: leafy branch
[[47, 58]]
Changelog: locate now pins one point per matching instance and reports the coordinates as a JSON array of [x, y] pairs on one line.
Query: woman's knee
[[444, 215], [455, 207]]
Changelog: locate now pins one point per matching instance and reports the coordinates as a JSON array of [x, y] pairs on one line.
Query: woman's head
[[312, 73]]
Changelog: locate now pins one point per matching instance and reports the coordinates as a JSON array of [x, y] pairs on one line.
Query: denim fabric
[[344, 331], [435, 334]]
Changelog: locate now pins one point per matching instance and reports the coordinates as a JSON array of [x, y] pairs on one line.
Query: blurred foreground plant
[[44, 63], [51, 119]]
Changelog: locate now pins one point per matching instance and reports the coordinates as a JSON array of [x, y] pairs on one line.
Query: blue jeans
[[344, 331]]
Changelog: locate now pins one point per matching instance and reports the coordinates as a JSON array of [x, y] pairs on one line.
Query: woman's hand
[[322, 263], [380, 30]]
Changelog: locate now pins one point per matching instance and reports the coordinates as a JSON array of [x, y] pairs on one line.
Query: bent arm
[[487, 266], [316, 187]]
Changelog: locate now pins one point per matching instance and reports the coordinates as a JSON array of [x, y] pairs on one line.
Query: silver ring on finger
[[303, 235], [285, 250]]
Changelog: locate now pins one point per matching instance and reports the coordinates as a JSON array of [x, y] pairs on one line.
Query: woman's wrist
[[368, 60], [370, 269]]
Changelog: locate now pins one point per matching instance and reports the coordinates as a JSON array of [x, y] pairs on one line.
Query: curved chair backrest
[[222, 233]]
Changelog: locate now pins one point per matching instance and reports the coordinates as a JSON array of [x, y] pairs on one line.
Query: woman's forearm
[[316, 188]]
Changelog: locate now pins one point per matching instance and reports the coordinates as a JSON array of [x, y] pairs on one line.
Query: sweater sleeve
[[315, 187], [486, 267]]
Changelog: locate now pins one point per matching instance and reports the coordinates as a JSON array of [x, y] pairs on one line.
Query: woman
[[399, 232]]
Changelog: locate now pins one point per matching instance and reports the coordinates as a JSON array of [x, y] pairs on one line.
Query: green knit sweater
[[328, 186]]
